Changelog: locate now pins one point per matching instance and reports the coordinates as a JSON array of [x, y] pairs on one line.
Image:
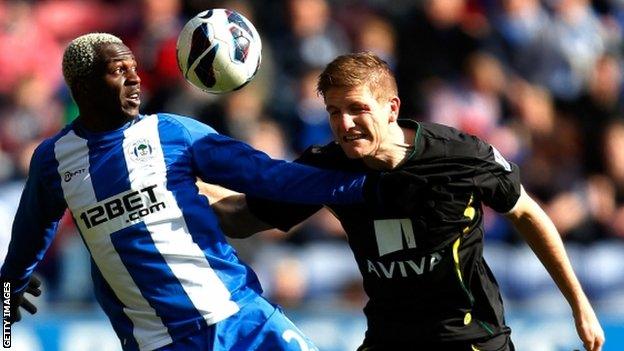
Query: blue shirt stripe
[[105, 296], [164, 293]]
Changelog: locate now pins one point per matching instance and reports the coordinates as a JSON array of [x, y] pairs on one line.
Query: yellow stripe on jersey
[[458, 269], [469, 212], [456, 260]]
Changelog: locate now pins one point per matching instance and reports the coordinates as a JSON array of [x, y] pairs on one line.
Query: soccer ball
[[219, 51]]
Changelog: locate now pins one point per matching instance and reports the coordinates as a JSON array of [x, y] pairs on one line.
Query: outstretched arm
[[544, 239], [221, 160], [237, 166]]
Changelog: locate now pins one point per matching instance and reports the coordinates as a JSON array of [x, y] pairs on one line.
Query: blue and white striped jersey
[[160, 263]]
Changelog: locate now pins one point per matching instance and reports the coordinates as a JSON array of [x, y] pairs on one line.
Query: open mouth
[[134, 99], [348, 138]]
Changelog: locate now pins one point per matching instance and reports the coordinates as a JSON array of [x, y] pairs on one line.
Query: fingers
[[18, 300], [588, 339], [33, 286], [34, 282], [593, 346], [33, 291], [593, 340], [589, 345], [597, 343], [28, 306]]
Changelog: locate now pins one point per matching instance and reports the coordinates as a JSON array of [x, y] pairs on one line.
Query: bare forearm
[[235, 219], [543, 238], [214, 193]]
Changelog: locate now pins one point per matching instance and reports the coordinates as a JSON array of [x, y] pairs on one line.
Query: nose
[[133, 77], [346, 121]]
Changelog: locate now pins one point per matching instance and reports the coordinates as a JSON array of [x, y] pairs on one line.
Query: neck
[[393, 150], [96, 123]]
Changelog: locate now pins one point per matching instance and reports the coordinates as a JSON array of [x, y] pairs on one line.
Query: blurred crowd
[[540, 80]]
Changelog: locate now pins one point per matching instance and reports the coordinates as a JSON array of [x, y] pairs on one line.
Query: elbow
[[231, 233]]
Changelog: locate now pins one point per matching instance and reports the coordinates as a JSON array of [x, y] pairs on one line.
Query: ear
[[395, 105], [81, 90]]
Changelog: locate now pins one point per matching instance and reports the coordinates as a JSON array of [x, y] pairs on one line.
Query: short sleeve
[[497, 180]]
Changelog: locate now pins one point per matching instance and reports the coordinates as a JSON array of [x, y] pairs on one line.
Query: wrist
[[580, 305]]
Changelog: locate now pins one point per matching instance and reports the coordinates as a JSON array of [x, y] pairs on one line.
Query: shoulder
[[43, 154], [326, 156], [441, 131], [44, 160], [328, 150], [45, 151], [189, 127], [449, 141], [183, 122]]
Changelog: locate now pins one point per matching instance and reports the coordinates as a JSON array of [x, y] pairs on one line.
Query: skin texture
[[109, 97], [544, 239], [367, 128]]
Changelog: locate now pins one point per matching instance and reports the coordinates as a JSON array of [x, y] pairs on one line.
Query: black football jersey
[[423, 270]]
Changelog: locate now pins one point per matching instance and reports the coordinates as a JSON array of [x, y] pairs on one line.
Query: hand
[[19, 300], [588, 328]]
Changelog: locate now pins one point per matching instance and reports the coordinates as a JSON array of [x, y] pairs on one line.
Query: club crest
[[141, 151]]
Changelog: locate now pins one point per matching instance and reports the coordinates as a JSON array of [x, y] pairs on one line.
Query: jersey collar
[[418, 142]]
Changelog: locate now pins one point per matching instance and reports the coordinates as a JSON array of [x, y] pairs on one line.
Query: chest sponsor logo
[[134, 205], [141, 150], [406, 268], [393, 235]]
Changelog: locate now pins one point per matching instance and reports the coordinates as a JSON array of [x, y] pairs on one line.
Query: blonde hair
[[351, 70], [80, 55]]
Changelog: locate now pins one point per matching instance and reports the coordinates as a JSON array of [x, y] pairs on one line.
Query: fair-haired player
[[428, 284]]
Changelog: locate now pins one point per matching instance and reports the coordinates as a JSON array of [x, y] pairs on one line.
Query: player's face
[[118, 85], [358, 120]]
